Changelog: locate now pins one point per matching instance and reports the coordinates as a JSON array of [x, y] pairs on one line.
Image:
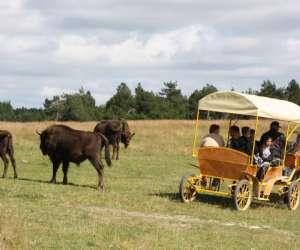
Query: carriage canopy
[[250, 105]]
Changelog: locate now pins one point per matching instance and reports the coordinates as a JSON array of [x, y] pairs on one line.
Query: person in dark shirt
[[235, 136], [245, 142], [277, 138]]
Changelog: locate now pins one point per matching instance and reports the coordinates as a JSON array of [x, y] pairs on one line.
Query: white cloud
[[51, 47], [52, 91], [158, 49]]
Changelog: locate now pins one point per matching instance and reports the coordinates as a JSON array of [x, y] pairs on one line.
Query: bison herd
[[64, 145]]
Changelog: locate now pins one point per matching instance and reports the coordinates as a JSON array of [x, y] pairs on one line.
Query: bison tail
[[107, 154], [104, 141]]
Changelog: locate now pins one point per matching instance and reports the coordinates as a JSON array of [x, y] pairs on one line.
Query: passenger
[[245, 141], [277, 138], [295, 150], [296, 146], [213, 139], [235, 136], [266, 156]]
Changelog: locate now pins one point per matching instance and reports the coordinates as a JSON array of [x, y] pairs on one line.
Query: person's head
[[246, 131], [298, 139], [234, 131], [269, 142], [275, 126], [214, 129]]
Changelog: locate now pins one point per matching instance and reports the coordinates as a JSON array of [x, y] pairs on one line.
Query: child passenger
[[266, 156]]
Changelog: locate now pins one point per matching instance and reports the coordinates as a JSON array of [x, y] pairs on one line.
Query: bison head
[[126, 137], [44, 142]]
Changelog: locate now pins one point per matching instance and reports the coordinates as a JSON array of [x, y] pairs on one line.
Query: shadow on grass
[[58, 183], [225, 202], [208, 199]]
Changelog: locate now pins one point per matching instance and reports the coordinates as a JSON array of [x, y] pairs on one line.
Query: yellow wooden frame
[[254, 140], [287, 137], [196, 135]]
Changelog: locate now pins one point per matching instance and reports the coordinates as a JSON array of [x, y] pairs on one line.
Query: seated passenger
[[235, 136], [295, 150], [213, 139], [266, 156], [245, 141], [277, 138], [296, 146]]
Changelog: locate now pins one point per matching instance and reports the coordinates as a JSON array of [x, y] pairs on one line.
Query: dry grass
[[12, 231]]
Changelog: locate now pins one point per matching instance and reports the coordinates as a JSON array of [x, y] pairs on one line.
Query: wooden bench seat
[[225, 163]]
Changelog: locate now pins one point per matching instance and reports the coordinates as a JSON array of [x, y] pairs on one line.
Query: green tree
[[54, 108], [270, 89], [198, 95], [147, 104], [122, 103], [30, 114], [292, 92], [80, 106], [6, 112], [174, 104]]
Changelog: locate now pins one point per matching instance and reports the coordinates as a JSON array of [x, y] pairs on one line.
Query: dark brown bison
[[115, 131], [6, 148], [64, 145]]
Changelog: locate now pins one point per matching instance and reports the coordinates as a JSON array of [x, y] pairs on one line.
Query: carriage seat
[[223, 162]]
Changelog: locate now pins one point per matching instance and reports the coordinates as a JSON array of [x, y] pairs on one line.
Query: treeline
[[169, 103]]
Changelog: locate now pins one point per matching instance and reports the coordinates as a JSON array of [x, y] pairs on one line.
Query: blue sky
[[56, 46]]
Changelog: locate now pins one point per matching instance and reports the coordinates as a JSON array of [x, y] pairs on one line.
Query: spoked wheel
[[293, 196], [187, 188], [242, 196]]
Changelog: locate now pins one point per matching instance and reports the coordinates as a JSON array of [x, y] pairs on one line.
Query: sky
[[56, 46]]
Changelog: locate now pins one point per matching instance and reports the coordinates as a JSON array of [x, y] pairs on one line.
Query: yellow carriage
[[238, 169]]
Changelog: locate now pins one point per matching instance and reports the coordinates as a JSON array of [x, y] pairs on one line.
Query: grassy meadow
[[140, 207]]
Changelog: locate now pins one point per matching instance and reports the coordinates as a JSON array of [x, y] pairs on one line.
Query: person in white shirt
[[213, 139]]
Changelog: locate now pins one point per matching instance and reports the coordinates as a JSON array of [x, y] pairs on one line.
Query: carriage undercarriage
[[242, 192]]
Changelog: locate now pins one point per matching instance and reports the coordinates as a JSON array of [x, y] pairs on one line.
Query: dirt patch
[[182, 220]]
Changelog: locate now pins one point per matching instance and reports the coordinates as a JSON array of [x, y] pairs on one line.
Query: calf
[[6, 148], [64, 145], [115, 131]]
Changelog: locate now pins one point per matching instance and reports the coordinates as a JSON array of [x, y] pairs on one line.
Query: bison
[[6, 148], [64, 145], [115, 131]]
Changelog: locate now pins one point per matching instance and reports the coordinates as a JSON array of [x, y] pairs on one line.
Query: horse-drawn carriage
[[237, 169]]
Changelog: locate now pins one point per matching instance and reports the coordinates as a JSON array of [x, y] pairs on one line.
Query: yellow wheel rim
[[294, 197], [189, 190], [243, 196]]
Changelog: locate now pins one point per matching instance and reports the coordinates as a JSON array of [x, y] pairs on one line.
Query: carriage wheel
[[293, 196], [187, 188], [242, 196]]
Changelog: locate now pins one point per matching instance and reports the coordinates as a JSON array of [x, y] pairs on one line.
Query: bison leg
[[13, 162], [118, 150], [65, 171], [55, 168], [114, 152], [5, 161], [98, 165]]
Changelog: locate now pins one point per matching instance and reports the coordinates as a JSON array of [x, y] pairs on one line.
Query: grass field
[[140, 208]]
